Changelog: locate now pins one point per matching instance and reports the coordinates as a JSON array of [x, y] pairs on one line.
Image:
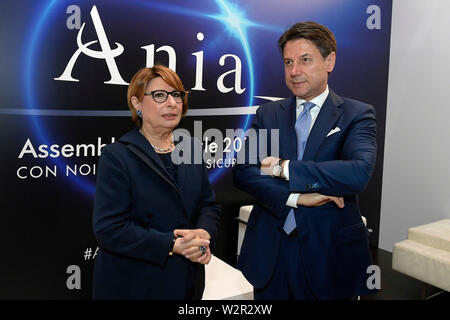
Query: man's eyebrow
[[302, 56]]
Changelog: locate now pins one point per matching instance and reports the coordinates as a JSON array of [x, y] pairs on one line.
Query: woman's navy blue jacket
[[136, 208]]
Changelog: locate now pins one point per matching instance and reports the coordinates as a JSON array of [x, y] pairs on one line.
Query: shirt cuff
[[292, 200], [286, 170]]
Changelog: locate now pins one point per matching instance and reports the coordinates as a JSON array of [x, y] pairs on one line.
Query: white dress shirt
[[318, 101]]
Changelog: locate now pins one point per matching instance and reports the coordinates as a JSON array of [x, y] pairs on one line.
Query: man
[[305, 238]]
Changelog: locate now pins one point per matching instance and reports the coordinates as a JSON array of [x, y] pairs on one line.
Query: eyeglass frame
[[152, 93]]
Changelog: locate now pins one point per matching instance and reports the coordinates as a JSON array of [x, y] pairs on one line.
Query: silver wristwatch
[[277, 169]]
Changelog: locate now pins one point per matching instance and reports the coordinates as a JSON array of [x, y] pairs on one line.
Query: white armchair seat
[[425, 255]]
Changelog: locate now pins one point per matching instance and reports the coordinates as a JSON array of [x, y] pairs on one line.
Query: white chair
[[244, 214], [425, 255]]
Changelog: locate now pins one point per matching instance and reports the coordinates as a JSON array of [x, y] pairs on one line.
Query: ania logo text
[[109, 54]]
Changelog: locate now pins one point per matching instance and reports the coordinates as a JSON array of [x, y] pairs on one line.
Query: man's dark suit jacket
[[333, 242], [137, 206]]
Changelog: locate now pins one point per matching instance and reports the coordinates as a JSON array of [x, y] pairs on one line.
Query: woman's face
[[160, 115]]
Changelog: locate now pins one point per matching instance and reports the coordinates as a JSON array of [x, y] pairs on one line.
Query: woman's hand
[[317, 199], [200, 233], [205, 258], [189, 242]]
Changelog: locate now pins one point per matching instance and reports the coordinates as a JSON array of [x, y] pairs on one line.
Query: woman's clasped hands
[[193, 244]]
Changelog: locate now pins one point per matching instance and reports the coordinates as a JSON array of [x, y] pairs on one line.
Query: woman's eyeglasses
[[161, 96]]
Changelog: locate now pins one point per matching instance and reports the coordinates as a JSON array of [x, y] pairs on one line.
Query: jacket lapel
[[285, 121], [325, 121], [139, 145]]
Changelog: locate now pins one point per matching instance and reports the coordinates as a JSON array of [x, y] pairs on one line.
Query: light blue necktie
[[302, 126]]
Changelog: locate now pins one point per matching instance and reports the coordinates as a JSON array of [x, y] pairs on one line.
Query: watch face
[[276, 171]]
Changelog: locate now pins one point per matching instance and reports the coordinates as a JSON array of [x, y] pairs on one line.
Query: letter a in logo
[[106, 53]]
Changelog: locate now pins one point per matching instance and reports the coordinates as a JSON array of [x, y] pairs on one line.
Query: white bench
[[425, 255]]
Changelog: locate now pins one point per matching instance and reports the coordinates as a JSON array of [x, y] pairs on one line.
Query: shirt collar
[[318, 101]]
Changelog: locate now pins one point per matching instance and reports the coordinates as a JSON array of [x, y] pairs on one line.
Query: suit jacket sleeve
[[270, 193], [347, 176], [112, 226]]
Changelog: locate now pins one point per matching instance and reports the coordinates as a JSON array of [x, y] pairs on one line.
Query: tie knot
[[307, 106]]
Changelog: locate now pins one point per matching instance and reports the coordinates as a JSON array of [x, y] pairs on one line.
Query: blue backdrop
[[64, 72]]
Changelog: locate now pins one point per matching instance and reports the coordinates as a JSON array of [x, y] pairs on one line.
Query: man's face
[[306, 71]]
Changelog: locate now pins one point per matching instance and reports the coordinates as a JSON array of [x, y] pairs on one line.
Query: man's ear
[[331, 61]]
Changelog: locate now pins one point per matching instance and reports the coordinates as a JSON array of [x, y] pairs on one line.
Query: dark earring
[[139, 112]]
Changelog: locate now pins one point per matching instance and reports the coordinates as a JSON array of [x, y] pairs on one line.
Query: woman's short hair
[[139, 83]]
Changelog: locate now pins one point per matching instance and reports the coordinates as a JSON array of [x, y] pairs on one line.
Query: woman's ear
[[136, 103]]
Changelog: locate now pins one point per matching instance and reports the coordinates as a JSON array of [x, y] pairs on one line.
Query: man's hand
[[267, 165], [317, 199]]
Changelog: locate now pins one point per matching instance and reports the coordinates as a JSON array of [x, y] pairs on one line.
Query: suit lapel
[[286, 123], [139, 145], [325, 121], [142, 148]]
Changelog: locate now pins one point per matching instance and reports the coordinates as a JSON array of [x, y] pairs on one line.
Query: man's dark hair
[[320, 35]]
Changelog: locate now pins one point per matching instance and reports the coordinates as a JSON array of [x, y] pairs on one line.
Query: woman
[[153, 220]]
